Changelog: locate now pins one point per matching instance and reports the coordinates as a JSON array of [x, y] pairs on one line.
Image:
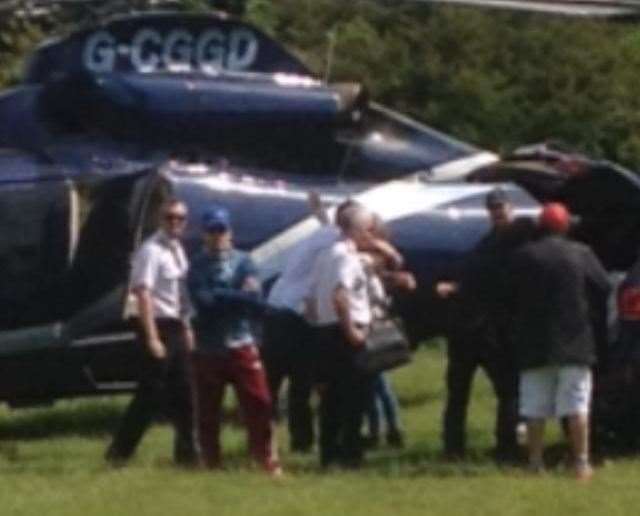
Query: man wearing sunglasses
[[158, 283]]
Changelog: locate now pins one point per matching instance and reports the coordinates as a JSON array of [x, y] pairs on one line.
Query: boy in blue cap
[[226, 292]]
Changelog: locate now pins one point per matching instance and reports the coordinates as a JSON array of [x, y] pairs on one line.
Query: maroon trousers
[[243, 369]]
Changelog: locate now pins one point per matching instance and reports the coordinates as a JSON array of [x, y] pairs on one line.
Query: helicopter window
[[34, 249], [389, 145]]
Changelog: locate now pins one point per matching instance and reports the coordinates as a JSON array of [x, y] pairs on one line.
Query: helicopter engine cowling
[[194, 108]]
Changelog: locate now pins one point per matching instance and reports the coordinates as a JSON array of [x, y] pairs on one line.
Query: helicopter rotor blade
[[612, 9]]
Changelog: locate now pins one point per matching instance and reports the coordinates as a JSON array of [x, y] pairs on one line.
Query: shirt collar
[[221, 255], [349, 244], [163, 238]]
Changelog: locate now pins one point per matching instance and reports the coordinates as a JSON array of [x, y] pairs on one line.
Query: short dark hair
[[496, 197]]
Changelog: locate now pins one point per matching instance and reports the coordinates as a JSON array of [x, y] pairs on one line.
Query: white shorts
[[555, 391]]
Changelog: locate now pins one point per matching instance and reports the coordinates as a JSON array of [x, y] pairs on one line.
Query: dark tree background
[[492, 78]]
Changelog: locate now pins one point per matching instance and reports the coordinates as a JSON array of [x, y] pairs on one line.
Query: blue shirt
[[224, 309]]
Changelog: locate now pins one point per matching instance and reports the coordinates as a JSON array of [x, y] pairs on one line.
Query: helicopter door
[[117, 216], [36, 242], [114, 215]]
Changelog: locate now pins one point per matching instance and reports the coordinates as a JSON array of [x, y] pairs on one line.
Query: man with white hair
[[287, 347], [340, 310]]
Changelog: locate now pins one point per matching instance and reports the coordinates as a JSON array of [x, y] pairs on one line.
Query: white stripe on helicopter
[[391, 201]]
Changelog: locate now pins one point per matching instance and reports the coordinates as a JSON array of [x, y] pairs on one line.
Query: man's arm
[[596, 274], [244, 295], [317, 209], [155, 346], [249, 281], [355, 335], [197, 286], [598, 289], [386, 251], [143, 273]]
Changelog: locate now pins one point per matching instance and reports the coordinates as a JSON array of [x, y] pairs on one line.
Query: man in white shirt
[[158, 283], [288, 349], [340, 310]]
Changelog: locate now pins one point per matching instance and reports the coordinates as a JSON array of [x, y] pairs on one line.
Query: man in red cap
[[555, 218], [556, 285]]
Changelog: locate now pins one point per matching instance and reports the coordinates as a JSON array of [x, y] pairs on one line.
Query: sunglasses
[[178, 217], [217, 229]]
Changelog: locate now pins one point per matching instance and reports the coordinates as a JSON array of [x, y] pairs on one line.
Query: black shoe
[[370, 442], [508, 456], [351, 463], [454, 455], [327, 460], [395, 439], [301, 448], [115, 459]]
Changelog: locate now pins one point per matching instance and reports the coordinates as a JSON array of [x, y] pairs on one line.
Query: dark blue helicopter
[[111, 120]]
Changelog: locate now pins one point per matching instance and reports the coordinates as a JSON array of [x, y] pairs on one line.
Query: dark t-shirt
[[555, 286], [484, 280]]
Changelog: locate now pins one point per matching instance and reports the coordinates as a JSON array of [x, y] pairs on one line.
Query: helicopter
[[112, 119]]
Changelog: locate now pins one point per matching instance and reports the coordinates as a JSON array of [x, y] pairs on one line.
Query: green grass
[[51, 464]]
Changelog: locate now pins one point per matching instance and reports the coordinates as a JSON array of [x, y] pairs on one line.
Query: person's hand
[[445, 289], [315, 202], [389, 253], [157, 349], [368, 262], [357, 337], [189, 340], [404, 280], [251, 284]]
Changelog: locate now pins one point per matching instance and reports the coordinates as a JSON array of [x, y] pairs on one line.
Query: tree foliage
[[492, 78], [17, 39]]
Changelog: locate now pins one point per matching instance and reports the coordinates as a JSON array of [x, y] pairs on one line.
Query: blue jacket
[[224, 309]]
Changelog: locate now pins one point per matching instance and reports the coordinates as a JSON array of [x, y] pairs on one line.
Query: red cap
[[554, 217]]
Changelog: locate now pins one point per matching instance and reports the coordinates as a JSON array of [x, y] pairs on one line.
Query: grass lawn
[[51, 464]]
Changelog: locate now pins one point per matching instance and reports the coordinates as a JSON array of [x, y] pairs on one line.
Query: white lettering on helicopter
[[177, 51]]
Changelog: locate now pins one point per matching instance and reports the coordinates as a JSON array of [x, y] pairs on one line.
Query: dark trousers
[[241, 368], [288, 351], [345, 393], [467, 352], [164, 387]]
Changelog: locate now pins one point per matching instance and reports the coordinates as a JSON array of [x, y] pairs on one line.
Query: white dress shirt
[[339, 266], [161, 266], [292, 287]]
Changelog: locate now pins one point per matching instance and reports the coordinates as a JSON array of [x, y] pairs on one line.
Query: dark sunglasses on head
[[179, 217]]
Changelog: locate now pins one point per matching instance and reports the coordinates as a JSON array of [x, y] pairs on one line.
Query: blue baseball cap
[[216, 218]]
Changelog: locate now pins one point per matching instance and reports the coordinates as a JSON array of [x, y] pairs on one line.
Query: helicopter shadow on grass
[[87, 418]]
